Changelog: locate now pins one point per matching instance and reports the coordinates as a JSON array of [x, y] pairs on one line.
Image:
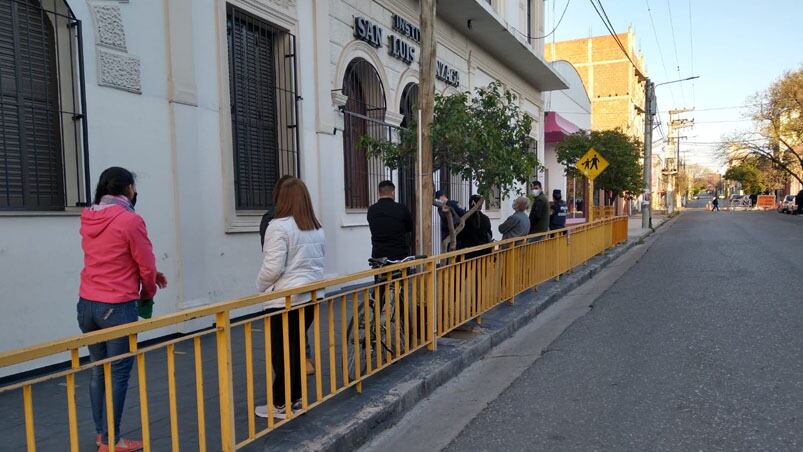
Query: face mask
[[438, 202], [536, 191], [134, 200]]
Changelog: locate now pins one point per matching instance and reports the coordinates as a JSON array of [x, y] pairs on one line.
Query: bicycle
[[388, 318]]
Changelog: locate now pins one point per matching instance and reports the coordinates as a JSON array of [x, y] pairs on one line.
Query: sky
[[736, 47]]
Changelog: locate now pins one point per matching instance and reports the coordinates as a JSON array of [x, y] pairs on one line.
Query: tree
[[484, 137], [748, 175], [778, 135], [623, 177]]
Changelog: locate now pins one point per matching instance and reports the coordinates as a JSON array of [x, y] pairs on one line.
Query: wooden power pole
[[427, 106]]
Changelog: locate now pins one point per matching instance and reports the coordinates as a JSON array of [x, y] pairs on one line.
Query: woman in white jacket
[[293, 255]]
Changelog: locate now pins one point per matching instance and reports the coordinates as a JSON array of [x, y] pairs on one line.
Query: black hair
[[537, 183], [472, 201], [386, 186], [113, 181]]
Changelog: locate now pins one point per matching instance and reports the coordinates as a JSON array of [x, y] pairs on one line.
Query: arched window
[[42, 125], [364, 114]]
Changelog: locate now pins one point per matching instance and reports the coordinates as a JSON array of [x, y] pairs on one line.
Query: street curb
[[350, 420]]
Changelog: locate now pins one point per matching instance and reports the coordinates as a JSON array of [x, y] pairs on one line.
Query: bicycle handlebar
[[383, 261]]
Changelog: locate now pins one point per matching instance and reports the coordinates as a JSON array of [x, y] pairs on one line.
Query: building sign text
[[447, 74], [406, 28], [368, 31]]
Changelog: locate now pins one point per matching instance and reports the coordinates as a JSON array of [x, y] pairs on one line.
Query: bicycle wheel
[[392, 346], [360, 346]]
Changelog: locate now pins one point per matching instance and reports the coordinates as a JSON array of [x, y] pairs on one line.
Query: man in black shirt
[[390, 224]]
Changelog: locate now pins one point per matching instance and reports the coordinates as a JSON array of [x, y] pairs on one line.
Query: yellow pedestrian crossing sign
[[591, 164]]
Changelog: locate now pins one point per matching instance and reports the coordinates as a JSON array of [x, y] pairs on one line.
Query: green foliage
[[748, 175], [483, 137], [624, 175]]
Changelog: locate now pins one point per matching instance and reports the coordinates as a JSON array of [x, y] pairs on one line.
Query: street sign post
[[591, 165]]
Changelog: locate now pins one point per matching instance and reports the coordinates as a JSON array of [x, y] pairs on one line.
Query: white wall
[[175, 136], [573, 105]]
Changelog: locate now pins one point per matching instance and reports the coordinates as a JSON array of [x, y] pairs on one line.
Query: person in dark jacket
[[271, 212], [715, 204], [477, 230], [390, 223], [444, 204], [539, 214], [557, 220]]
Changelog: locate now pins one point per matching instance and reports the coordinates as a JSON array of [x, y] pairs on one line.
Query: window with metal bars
[[264, 115], [364, 114], [43, 140]]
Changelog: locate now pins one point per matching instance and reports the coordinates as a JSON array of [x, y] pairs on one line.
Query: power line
[[729, 107], [609, 26], [565, 8], [675, 46], [691, 49], [660, 52]]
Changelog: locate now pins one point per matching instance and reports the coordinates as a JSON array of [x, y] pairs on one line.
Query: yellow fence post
[[224, 378], [432, 338]]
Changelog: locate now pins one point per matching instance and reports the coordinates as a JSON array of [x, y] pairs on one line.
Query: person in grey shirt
[[518, 224]]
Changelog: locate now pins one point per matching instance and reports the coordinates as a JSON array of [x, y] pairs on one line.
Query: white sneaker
[[278, 412]]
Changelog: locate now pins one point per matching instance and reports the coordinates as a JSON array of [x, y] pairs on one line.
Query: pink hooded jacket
[[119, 265]]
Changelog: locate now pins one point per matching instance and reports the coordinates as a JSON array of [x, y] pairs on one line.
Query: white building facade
[[568, 111], [209, 102]]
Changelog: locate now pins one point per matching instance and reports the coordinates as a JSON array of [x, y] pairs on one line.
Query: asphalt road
[[698, 346]]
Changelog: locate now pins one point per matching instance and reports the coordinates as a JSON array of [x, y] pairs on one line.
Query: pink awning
[[556, 127]]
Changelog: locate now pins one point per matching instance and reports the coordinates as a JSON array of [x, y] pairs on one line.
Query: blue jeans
[[93, 316]]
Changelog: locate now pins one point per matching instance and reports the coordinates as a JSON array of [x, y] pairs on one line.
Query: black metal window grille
[[406, 174], [43, 136], [264, 115], [364, 114], [453, 185]]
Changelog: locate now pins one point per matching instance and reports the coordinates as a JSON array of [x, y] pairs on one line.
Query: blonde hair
[[521, 204]]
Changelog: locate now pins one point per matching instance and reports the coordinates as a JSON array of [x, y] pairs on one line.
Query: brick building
[[615, 87]]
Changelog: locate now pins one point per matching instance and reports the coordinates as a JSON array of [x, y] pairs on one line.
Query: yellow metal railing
[[604, 212], [383, 316]]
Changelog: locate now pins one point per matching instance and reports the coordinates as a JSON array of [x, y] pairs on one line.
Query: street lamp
[[649, 112]]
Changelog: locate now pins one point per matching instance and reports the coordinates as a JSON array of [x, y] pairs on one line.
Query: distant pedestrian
[[518, 224], [119, 271], [557, 220], [715, 204], [293, 256]]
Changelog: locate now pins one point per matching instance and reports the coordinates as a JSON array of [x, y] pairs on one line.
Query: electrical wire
[[691, 49], [565, 8], [675, 45], [660, 51], [605, 21]]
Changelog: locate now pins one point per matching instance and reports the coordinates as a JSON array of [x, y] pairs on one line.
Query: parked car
[[788, 204]]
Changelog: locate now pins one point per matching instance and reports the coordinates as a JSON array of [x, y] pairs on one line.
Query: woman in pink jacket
[[119, 271]]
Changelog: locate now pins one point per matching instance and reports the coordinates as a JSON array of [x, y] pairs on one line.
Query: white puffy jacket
[[290, 258]]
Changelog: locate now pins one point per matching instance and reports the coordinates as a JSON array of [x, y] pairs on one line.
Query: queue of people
[[120, 279]]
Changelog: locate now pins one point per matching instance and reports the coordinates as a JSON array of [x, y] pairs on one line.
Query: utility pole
[[427, 111], [674, 170], [649, 112]]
